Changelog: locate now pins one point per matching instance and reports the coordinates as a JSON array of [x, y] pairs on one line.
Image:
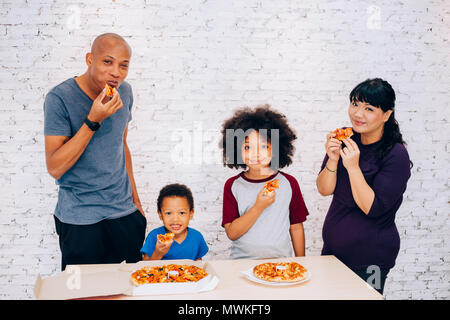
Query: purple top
[[361, 240]]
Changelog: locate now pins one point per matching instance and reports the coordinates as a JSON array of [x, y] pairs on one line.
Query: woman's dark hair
[[379, 93], [175, 190], [270, 124]]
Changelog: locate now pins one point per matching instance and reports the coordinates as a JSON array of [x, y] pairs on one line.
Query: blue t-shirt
[[193, 247], [97, 186]]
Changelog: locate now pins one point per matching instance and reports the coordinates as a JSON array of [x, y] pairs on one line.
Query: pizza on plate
[[165, 238], [110, 90], [342, 134], [280, 271], [167, 274], [270, 186]]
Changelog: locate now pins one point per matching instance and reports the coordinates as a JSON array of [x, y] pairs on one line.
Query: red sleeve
[[230, 209], [297, 207]]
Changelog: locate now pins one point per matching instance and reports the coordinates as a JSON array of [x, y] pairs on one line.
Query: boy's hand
[[264, 200], [162, 248]]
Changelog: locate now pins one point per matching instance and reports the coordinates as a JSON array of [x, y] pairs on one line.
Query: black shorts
[[107, 241]]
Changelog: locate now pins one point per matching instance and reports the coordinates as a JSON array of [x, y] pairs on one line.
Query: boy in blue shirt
[[175, 209]]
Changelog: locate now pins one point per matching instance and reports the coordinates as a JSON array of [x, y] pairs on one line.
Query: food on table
[[167, 273], [280, 271]]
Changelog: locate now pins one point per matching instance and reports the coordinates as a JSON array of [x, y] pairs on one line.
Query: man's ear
[[89, 59], [191, 214], [160, 215]]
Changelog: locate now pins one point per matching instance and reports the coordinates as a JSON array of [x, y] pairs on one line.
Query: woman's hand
[[332, 147], [362, 193], [350, 155]]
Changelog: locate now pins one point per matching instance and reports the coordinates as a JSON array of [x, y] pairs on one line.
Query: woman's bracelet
[[330, 169]]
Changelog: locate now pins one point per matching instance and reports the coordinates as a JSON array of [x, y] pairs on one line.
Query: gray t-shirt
[[97, 186]]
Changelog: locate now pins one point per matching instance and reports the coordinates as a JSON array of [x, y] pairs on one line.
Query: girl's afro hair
[[261, 117]]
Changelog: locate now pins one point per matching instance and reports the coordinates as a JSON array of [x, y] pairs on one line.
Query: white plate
[[249, 275]]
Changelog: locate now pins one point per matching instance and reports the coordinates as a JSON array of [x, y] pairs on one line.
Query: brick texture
[[193, 63]]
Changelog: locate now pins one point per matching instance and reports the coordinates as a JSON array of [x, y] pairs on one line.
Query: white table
[[330, 279]]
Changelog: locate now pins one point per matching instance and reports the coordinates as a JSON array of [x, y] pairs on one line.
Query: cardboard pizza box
[[82, 281]]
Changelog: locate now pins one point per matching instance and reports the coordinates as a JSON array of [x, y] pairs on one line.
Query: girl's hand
[[333, 147], [264, 200], [350, 154]]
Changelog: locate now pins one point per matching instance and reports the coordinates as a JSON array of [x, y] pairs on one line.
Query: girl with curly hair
[[261, 223]]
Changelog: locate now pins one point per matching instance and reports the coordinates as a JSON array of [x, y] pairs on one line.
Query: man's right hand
[[100, 111]]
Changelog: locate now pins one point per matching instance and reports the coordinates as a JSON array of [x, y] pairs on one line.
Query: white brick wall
[[193, 63]]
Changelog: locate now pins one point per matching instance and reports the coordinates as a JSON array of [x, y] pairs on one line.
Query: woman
[[367, 175]]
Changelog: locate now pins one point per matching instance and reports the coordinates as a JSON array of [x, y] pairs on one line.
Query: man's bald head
[[108, 62], [106, 40]]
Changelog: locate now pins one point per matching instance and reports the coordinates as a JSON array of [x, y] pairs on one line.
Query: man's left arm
[[129, 167]]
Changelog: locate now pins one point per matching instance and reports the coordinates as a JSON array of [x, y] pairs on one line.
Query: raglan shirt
[[269, 236], [97, 186], [361, 240]]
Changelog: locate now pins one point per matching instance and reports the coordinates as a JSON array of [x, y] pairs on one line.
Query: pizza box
[[206, 284], [82, 281]]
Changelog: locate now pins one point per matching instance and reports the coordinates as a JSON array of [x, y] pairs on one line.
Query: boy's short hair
[[175, 190], [261, 118]]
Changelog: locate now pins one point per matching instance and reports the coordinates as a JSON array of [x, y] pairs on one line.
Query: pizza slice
[[165, 238], [270, 186], [280, 272], [342, 134], [110, 91]]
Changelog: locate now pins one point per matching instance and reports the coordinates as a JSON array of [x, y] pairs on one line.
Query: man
[[98, 217]]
